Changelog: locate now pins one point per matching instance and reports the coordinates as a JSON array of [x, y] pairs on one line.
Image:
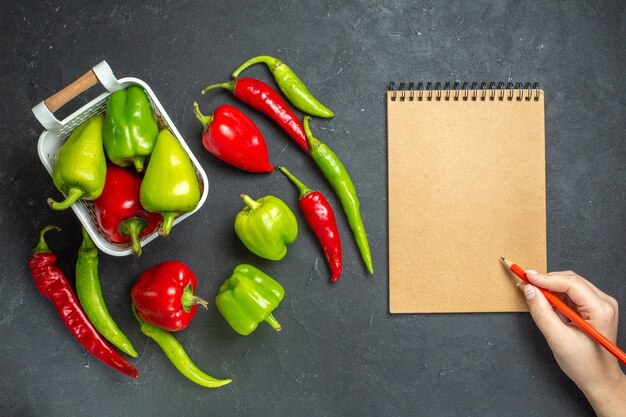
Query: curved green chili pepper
[[290, 84], [177, 355], [90, 296], [339, 178]]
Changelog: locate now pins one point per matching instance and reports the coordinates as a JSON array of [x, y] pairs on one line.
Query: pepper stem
[[168, 222], [271, 320], [87, 244], [253, 204], [42, 246], [229, 85], [313, 141], [189, 299], [132, 307], [138, 162], [304, 190], [133, 228], [204, 119], [72, 196], [270, 61], [146, 328]]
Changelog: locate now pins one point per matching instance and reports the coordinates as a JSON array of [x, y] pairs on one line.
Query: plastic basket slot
[[98, 108]]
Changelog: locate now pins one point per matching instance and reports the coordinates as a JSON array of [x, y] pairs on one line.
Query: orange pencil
[[571, 314]]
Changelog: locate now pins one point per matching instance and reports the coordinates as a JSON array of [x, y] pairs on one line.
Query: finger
[[593, 287], [542, 313], [571, 284], [568, 272], [574, 274], [598, 291]]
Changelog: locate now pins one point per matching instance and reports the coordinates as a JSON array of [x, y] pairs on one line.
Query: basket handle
[[100, 73], [82, 84]]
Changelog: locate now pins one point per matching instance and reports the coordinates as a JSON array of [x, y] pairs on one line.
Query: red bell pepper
[[265, 99], [232, 137], [163, 296], [119, 211]]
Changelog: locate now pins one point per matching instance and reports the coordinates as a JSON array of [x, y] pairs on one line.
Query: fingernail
[[531, 272], [529, 292]]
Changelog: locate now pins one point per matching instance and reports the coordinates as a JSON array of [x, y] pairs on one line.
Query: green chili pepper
[[80, 168], [170, 185], [90, 296], [130, 128], [266, 226], [177, 355], [248, 298], [339, 178], [290, 84]]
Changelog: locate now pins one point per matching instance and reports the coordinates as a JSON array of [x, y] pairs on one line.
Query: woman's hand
[[585, 361]]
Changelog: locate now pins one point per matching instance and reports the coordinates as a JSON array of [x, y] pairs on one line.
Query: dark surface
[[340, 353]]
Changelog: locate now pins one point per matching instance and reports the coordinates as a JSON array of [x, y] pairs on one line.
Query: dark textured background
[[340, 352]]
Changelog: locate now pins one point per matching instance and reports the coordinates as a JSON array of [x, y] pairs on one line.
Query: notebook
[[466, 173]]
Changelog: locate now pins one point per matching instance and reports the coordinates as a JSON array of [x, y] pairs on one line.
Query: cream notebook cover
[[466, 186]]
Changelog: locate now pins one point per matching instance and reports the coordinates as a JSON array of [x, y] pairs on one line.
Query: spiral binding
[[466, 91]]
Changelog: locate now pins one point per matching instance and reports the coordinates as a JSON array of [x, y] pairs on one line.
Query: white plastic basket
[[57, 132]]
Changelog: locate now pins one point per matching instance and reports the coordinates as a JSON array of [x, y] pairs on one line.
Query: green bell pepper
[[248, 298], [266, 226], [130, 128], [80, 168], [170, 185]]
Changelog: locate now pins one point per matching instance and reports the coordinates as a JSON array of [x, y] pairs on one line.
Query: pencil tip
[[506, 262]]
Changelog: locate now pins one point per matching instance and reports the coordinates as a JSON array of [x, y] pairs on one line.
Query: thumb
[[542, 312]]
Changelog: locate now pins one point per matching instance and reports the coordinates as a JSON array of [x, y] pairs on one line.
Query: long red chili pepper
[[51, 282], [321, 218], [265, 99]]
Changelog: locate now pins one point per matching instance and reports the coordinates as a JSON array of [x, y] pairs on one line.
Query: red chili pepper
[[163, 296], [231, 136], [51, 282], [265, 99], [119, 212], [321, 218]]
